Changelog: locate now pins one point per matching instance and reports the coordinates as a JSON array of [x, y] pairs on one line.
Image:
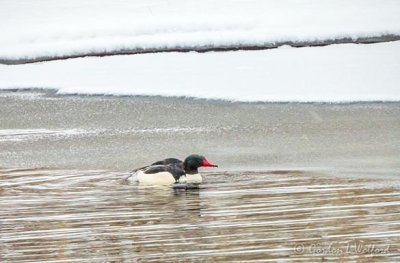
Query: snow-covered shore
[[45, 29], [336, 73]]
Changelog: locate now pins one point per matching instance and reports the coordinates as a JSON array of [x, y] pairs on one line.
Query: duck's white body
[[166, 178], [161, 178]]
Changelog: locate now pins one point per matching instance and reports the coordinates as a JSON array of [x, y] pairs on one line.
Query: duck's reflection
[[177, 200]]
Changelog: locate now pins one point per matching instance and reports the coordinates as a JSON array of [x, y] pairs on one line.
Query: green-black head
[[194, 161]]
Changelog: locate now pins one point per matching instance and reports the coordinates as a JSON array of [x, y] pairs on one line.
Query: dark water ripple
[[94, 216]]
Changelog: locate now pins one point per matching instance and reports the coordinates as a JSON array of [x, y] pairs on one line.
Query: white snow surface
[[40, 28], [335, 73]]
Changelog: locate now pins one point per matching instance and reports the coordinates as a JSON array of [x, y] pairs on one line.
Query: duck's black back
[[168, 161]]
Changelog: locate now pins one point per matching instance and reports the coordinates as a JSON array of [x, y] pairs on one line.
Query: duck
[[173, 171]]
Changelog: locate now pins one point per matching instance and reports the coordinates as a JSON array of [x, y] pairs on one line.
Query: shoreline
[[206, 49], [54, 93], [337, 73]]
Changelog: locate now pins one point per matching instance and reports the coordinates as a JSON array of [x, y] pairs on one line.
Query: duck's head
[[194, 161]]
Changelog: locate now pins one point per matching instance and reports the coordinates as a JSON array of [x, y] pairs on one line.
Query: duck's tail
[[134, 171]]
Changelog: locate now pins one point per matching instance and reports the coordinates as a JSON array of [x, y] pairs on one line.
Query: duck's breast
[[192, 179]]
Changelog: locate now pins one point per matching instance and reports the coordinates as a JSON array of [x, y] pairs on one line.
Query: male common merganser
[[172, 170]]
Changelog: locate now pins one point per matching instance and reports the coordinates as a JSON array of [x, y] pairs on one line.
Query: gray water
[[40, 129], [296, 182]]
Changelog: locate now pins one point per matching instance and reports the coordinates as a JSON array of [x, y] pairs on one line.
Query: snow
[[48, 28], [335, 73]]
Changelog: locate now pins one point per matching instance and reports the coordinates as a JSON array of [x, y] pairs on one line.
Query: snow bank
[[33, 29], [334, 73]]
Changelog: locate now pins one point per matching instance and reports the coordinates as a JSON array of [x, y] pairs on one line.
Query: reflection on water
[[95, 216]]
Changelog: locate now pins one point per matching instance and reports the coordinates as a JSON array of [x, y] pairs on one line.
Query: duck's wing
[[168, 161], [175, 169]]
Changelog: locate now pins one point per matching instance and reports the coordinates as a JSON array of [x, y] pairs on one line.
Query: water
[[41, 129], [296, 182], [95, 216]]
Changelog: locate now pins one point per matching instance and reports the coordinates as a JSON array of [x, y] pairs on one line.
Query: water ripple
[[94, 216]]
